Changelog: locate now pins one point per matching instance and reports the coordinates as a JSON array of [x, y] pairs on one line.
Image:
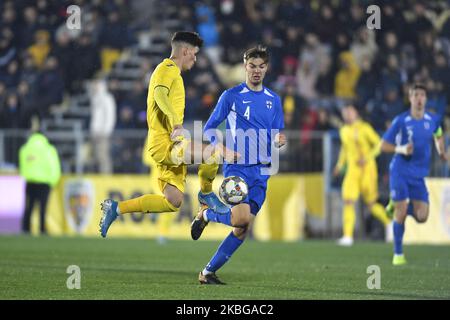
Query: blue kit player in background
[[410, 137], [254, 115]]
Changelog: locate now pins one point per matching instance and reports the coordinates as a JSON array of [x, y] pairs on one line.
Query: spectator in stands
[[11, 114], [86, 63], [113, 38], [207, 29], [50, 87], [347, 77], [12, 75], [40, 166], [8, 51], [103, 121], [40, 49]]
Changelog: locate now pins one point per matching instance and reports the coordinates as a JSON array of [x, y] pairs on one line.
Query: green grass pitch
[[35, 268]]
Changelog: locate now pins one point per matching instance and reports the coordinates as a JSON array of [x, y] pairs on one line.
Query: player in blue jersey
[[254, 118], [410, 137]]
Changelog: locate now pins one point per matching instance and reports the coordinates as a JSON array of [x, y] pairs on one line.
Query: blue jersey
[[253, 117], [420, 132]]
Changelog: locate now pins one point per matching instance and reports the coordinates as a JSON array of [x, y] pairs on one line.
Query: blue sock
[[226, 249], [410, 210], [399, 230], [217, 217]]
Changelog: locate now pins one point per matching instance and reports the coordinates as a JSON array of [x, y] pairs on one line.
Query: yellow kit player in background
[[360, 145], [166, 143]]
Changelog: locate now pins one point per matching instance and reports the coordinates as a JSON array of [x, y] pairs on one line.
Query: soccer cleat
[[398, 260], [213, 202], [109, 208], [390, 209], [345, 241], [210, 278], [199, 223]]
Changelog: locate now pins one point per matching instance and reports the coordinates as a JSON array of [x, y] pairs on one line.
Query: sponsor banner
[[12, 203], [74, 208], [437, 228]]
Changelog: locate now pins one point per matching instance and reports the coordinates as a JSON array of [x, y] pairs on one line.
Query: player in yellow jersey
[[167, 144], [360, 145]]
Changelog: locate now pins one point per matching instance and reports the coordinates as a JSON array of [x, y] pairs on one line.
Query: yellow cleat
[[398, 260], [390, 209]]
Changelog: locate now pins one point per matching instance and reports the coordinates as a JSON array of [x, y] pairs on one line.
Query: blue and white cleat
[[213, 202], [109, 208]]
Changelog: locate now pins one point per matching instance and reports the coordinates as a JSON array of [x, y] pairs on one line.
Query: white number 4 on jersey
[[247, 113]]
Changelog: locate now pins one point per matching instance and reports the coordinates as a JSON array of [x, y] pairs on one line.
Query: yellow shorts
[[168, 160], [361, 182]]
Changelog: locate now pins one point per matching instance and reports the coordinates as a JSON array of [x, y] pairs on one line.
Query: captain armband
[[438, 133]]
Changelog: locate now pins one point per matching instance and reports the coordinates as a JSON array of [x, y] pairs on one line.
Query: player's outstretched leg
[[109, 208], [207, 173], [204, 216], [211, 200], [222, 255], [399, 258]]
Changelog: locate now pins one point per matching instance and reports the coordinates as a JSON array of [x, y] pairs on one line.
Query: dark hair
[[193, 38], [257, 52], [417, 86]]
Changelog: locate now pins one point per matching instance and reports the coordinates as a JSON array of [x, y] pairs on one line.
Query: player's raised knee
[[175, 201], [174, 198], [421, 218], [241, 221]]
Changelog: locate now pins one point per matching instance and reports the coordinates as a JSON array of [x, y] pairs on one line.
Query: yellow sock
[[148, 203], [207, 173], [378, 212], [348, 219]]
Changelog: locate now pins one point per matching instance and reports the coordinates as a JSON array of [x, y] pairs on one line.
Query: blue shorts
[[412, 188], [257, 183]]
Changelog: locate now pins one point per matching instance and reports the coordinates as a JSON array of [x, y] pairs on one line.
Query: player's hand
[[409, 149], [230, 155], [280, 140], [336, 172], [443, 156], [177, 133]]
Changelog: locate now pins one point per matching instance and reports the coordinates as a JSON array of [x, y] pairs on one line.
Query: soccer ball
[[233, 190]]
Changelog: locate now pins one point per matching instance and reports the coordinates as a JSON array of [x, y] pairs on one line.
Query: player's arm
[[439, 142], [342, 160], [212, 134], [278, 124], [375, 142], [388, 144], [161, 94], [164, 78]]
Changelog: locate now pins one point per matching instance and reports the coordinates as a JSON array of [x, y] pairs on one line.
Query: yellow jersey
[[168, 75], [358, 141]]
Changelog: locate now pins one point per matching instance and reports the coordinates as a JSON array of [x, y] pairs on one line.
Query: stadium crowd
[[323, 56]]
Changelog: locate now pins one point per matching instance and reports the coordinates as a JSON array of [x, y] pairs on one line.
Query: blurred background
[[86, 90]]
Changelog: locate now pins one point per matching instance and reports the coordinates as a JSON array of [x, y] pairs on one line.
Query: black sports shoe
[[210, 278], [199, 224]]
